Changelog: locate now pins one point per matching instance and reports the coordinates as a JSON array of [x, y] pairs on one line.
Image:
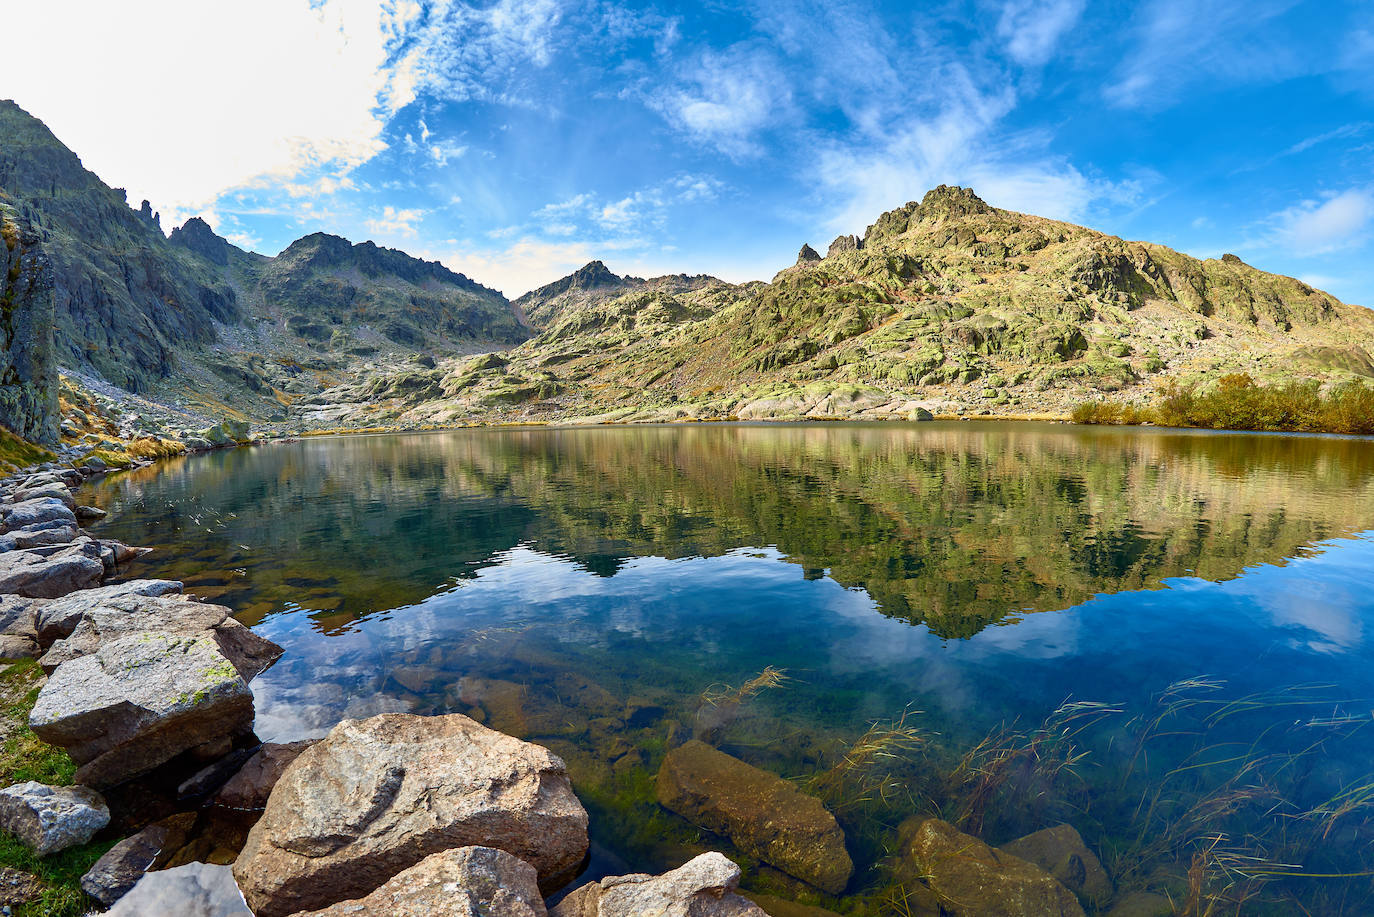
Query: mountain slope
[[948, 305], [195, 321]]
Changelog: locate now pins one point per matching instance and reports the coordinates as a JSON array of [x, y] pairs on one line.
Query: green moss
[[20, 453]]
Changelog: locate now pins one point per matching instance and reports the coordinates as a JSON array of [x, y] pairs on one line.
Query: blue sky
[[515, 141]]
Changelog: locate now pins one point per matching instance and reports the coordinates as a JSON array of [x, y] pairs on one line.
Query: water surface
[[1201, 601]]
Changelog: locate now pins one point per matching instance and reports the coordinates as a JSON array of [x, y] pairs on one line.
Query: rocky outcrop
[[807, 255], [1060, 851], [377, 796], [192, 890], [251, 786], [842, 244], [28, 373], [58, 618], [35, 574], [703, 887], [109, 619], [975, 880], [139, 701], [52, 818], [763, 814], [463, 882]]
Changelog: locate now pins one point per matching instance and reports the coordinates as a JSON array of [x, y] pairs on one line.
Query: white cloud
[[1313, 227], [1032, 28], [724, 99], [259, 93], [396, 221]]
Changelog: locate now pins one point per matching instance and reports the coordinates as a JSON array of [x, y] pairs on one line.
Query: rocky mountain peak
[[197, 236], [593, 274], [844, 244], [807, 254], [146, 213], [951, 201]]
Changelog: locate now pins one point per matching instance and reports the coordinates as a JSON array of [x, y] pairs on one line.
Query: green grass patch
[[24, 756], [20, 453]]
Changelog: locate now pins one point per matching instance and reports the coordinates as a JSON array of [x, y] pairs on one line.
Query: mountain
[[195, 321], [947, 306]]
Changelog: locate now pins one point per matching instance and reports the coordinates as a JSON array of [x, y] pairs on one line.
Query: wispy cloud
[[1179, 42], [1033, 28], [1315, 227], [725, 99]]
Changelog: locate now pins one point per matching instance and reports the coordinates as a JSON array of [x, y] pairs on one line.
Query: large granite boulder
[[703, 887], [192, 890], [45, 489], [1060, 851], [138, 702], [975, 880], [377, 796], [463, 882], [57, 618], [39, 574], [125, 615], [250, 787], [52, 818], [760, 812]]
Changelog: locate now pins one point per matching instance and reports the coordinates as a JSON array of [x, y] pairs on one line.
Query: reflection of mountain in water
[[954, 526]]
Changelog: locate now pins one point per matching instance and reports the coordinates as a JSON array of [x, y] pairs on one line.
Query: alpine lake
[[1163, 638]]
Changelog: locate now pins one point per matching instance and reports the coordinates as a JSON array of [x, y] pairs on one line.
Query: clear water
[[596, 590]]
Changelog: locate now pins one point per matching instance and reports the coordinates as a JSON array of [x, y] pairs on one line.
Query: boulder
[[974, 880], [192, 890], [52, 818], [703, 887], [87, 514], [250, 787], [453, 883], [55, 490], [57, 619], [30, 573], [126, 615], [18, 628], [1060, 851], [114, 874], [140, 701], [377, 796], [764, 815], [32, 512]]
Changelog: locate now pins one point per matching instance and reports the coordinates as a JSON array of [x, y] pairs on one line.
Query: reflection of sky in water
[[720, 618]]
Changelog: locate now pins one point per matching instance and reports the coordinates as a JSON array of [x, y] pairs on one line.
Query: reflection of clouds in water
[[1324, 597]]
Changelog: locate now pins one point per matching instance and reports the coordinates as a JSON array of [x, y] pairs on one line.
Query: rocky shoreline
[[147, 689]]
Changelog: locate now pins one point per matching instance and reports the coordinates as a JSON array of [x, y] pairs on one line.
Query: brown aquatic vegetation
[[864, 770], [722, 704]]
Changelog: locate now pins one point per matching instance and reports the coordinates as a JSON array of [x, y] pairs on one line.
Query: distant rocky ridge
[[946, 306]]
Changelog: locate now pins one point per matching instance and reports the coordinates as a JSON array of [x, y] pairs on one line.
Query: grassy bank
[[23, 756], [1238, 402]]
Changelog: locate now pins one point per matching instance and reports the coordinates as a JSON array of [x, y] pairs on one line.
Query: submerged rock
[[251, 786], [138, 702], [1060, 851], [192, 890], [763, 814], [377, 796], [52, 818], [454, 883], [703, 887], [115, 873], [974, 880]]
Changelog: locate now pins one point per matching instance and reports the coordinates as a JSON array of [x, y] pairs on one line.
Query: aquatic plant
[[721, 704], [864, 769]]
